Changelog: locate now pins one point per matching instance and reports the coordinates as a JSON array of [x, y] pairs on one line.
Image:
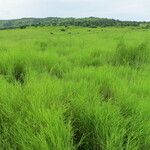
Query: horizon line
[[19, 18]]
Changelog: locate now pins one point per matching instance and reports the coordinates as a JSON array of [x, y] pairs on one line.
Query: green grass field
[[78, 89]]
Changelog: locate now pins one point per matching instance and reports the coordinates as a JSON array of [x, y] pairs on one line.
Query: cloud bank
[[117, 9]]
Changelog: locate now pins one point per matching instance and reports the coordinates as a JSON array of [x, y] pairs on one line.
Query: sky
[[136, 10]]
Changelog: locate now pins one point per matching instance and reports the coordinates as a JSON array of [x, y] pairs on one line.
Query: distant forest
[[55, 21]]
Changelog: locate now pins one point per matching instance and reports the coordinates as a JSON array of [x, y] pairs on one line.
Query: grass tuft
[[133, 56]]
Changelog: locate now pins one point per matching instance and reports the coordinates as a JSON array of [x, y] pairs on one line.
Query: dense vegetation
[[53, 21], [74, 88]]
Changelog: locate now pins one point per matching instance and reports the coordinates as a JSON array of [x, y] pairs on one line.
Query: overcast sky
[[117, 9]]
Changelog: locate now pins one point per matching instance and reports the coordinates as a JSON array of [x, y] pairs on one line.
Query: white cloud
[[118, 9]]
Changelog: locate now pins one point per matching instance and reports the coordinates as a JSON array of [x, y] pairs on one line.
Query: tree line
[[92, 22]]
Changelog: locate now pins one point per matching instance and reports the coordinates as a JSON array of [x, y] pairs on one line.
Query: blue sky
[[117, 9]]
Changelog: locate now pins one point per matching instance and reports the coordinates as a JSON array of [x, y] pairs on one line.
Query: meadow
[[75, 88]]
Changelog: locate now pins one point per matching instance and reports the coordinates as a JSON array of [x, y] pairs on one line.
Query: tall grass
[[133, 56], [79, 91]]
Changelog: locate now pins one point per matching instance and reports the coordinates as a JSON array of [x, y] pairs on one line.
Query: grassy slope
[[77, 89]]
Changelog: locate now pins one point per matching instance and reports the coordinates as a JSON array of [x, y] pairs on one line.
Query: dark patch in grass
[[83, 137], [3, 71], [66, 26], [18, 73], [95, 62], [43, 46], [57, 71], [63, 30], [77, 137], [106, 92]]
